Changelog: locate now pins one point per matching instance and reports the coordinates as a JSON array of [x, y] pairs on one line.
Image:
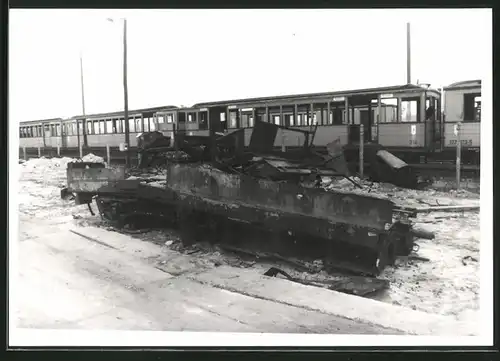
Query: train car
[[91, 131], [401, 117], [463, 105], [192, 120], [405, 119], [36, 134]]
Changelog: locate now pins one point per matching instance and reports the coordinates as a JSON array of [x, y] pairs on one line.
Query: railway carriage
[[40, 133], [405, 119], [463, 104], [397, 117]]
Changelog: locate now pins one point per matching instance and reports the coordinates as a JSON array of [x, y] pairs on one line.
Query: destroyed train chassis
[[348, 231], [280, 237]]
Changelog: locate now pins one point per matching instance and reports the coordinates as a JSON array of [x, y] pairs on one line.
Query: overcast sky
[[181, 57]]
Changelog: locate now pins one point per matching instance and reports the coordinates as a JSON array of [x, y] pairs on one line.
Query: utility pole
[[408, 67], [408, 54], [84, 136], [125, 94]]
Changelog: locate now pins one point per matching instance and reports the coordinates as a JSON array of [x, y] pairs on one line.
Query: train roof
[[367, 91], [32, 122], [132, 111], [466, 84]]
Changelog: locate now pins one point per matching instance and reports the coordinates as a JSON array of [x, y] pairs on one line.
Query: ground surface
[[68, 281], [447, 285]]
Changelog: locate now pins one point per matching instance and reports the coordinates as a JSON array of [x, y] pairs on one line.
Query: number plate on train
[[464, 142]]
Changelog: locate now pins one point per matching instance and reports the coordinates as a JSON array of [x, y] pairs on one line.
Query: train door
[[64, 134], [203, 121], [439, 123], [365, 118], [181, 121], [47, 135], [364, 106], [432, 126], [217, 121]]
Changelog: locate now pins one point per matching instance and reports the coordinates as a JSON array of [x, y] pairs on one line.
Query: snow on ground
[[448, 284]]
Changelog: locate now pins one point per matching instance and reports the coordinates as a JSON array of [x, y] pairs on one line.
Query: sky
[[181, 57]]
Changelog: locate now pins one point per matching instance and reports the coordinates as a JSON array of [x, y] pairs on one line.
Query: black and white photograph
[[250, 177]]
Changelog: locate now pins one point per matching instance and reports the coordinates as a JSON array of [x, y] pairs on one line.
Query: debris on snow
[[92, 158]]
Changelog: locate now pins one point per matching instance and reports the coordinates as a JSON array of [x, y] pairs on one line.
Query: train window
[[409, 111], [388, 110], [57, 130], [222, 117], [169, 118], [477, 107], [472, 107], [146, 124], [121, 125], [138, 126], [102, 127], [190, 117], [95, 127], [114, 125], [152, 125], [315, 118], [233, 120], [131, 125], [21, 134], [244, 121], [161, 119], [276, 119], [109, 126], [89, 127]]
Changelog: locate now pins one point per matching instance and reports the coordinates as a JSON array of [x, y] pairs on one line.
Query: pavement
[[67, 281], [102, 280]]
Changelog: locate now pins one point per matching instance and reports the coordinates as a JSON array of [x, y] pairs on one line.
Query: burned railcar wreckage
[[257, 199]]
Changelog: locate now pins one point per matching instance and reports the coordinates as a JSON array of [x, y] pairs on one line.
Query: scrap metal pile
[[214, 189]]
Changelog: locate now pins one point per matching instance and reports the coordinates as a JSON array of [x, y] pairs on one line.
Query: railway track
[[441, 173]]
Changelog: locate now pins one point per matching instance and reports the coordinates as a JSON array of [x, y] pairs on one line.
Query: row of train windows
[[338, 117], [113, 126], [93, 127]]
